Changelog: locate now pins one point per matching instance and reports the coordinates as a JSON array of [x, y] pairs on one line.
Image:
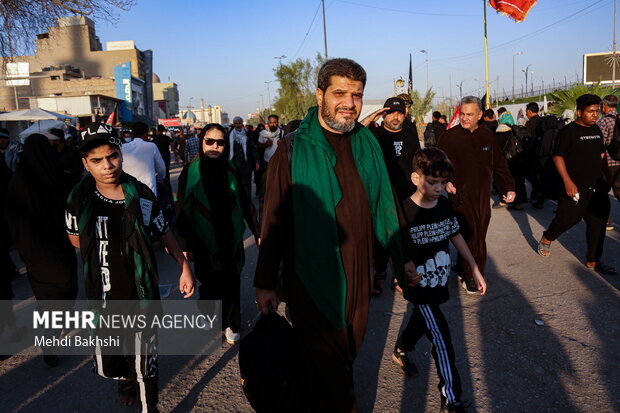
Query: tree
[[421, 105], [297, 81], [567, 99], [22, 20]]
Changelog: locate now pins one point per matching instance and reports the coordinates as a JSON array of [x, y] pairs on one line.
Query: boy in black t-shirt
[[578, 157], [109, 217], [432, 224]]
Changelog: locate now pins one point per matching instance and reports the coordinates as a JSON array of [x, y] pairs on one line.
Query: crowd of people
[[335, 202]]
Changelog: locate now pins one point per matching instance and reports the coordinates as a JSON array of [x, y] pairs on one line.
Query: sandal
[[127, 391], [377, 283], [602, 269], [544, 248]]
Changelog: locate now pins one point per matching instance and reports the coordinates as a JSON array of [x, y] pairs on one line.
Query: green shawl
[[316, 192], [197, 209]]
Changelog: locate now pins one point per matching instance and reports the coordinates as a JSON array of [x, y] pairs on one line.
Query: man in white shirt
[[142, 160], [268, 141]]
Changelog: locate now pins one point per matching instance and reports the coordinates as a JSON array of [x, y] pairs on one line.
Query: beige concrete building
[[204, 115], [166, 97], [70, 61]]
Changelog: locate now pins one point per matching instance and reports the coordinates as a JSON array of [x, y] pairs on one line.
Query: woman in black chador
[[35, 209], [212, 205]]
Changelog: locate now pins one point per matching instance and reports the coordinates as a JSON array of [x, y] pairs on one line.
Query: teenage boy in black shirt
[[578, 154], [432, 224], [109, 217]]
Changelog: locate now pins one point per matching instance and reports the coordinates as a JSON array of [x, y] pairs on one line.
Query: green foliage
[[567, 99], [297, 81], [421, 104]]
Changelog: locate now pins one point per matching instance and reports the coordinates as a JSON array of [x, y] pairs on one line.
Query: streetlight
[[531, 82], [268, 94], [280, 59], [460, 86], [426, 60], [513, 75], [262, 102], [526, 70]]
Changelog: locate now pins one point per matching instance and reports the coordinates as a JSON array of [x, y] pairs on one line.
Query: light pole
[[262, 102], [531, 82], [426, 60], [280, 59], [268, 94], [477, 80], [526, 71], [460, 86], [513, 75]]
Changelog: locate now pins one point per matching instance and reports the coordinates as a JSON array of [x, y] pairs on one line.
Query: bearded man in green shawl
[[328, 196]]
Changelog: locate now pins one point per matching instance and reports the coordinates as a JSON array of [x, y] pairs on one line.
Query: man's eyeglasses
[[218, 142]]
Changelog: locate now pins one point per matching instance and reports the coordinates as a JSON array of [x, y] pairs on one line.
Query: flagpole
[[486, 56]]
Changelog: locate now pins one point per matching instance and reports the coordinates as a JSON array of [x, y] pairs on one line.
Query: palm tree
[[567, 99], [421, 105]]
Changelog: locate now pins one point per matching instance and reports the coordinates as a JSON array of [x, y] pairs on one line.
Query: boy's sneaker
[[458, 407], [231, 337], [401, 358], [470, 287]]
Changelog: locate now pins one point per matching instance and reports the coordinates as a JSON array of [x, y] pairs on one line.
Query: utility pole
[[526, 71], [613, 60], [460, 86], [426, 60], [513, 74], [280, 59], [324, 29], [450, 83], [486, 56], [268, 94]]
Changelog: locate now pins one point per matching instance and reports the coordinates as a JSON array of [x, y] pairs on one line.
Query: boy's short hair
[[432, 162]]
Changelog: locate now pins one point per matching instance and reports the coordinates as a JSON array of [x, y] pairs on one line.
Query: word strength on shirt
[[589, 137], [89, 319]]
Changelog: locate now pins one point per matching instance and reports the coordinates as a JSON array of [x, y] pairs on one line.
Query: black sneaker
[[457, 407], [401, 358]]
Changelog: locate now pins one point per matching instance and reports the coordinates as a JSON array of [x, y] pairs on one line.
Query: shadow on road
[[518, 356]]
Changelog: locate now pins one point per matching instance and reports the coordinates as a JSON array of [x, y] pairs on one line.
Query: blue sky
[[223, 51]]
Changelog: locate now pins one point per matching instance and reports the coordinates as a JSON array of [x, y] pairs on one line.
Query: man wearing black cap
[[109, 215], [398, 145]]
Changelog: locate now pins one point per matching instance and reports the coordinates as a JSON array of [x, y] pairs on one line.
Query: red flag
[[517, 9], [456, 118], [112, 117]]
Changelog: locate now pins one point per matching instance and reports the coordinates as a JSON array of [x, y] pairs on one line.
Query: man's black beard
[[273, 128], [330, 120], [389, 127]]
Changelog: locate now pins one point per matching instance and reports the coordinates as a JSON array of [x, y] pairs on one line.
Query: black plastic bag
[[269, 366]]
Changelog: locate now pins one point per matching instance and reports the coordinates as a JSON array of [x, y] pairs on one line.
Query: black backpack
[[430, 139], [269, 366], [513, 145], [614, 146]]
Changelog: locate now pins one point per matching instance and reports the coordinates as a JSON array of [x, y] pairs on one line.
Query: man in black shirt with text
[[577, 156]]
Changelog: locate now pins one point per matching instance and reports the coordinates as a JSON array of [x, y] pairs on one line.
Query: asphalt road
[[507, 361]]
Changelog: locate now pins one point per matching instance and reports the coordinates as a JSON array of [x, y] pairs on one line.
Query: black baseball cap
[[97, 134], [395, 105]]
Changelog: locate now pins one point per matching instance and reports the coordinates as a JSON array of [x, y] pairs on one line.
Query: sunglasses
[[218, 142]]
